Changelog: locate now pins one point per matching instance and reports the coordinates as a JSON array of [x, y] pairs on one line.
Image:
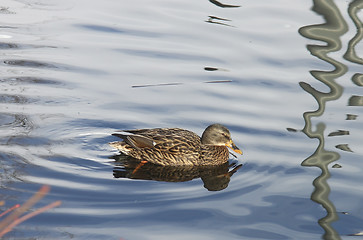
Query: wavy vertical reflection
[[330, 33], [353, 9]]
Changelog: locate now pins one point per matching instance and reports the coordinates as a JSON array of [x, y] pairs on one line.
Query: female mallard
[[175, 146]]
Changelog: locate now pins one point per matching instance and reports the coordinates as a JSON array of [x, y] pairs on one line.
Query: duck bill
[[233, 146]]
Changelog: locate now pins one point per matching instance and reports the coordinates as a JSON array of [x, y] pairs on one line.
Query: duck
[[176, 146]]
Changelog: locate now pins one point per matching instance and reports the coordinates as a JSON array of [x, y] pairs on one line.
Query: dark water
[[284, 77]]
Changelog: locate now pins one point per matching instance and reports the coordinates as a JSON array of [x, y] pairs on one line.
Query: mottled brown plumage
[[175, 146]]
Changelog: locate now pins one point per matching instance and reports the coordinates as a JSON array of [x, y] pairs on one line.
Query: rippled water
[[284, 77]]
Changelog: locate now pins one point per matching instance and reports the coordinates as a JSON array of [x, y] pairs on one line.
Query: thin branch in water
[[174, 84], [13, 219], [26, 206], [219, 81], [156, 85], [9, 210], [29, 215]]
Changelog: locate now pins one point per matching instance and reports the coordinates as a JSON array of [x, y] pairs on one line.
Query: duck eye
[[225, 135]]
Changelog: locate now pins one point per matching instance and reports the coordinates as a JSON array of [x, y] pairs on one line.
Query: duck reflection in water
[[177, 150], [215, 178]]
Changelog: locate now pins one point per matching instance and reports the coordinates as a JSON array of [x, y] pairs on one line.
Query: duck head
[[219, 135]]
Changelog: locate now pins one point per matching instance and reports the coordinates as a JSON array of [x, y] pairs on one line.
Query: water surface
[[284, 77]]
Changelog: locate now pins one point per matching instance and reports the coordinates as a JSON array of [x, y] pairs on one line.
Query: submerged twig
[[177, 83], [14, 218], [29, 215], [9, 210]]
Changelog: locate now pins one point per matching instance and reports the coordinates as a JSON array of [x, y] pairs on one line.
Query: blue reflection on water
[[60, 105]]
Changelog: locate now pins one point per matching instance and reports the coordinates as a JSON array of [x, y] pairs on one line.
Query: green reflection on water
[[353, 9], [329, 32]]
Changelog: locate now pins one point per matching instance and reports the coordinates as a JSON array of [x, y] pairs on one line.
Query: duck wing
[[165, 139], [135, 140]]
